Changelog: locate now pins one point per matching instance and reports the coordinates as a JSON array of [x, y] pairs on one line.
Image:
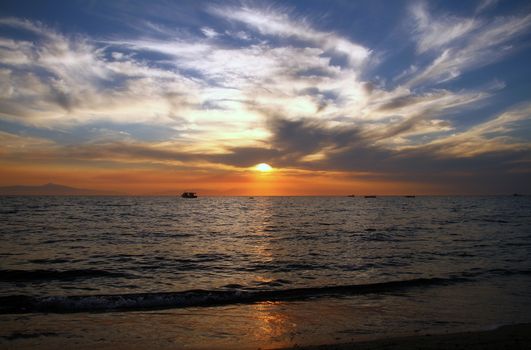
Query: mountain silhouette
[[51, 189]]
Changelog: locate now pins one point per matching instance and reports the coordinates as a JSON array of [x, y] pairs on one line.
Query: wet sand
[[506, 337]]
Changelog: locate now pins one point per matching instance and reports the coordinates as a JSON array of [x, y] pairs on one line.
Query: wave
[[495, 272], [195, 298], [46, 275]]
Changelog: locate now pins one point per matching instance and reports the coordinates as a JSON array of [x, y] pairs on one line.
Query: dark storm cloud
[[307, 136], [400, 102], [64, 100], [349, 149], [126, 151], [245, 156]]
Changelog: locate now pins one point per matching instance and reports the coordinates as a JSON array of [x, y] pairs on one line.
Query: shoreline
[[516, 336]]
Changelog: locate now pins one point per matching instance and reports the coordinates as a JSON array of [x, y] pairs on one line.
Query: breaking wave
[[139, 301]]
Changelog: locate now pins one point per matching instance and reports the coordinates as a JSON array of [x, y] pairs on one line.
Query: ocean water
[[242, 272]]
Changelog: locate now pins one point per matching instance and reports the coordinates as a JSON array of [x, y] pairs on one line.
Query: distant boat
[[189, 195], [517, 195], [351, 195], [409, 196], [370, 196]]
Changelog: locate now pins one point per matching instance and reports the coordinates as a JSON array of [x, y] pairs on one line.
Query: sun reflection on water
[[272, 325]]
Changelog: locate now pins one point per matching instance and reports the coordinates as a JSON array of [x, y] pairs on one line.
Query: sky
[[338, 97]]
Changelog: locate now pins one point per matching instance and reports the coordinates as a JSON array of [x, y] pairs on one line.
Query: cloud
[[491, 136], [66, 81], [462, 43], [209, 32], [475, 159], [436, 33], [485, 5], [12, 144], [276, 22]]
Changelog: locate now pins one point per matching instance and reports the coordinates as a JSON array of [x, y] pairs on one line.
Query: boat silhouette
[[189, 195]]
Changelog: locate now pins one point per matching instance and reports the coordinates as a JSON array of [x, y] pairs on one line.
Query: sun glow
[[263, 167]]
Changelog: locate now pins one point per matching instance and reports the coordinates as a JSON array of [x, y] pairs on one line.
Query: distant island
[[51, 189]]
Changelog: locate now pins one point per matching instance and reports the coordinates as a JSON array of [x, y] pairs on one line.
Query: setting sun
[[263, 167]]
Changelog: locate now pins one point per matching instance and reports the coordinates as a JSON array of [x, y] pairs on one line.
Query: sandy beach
[[506, 337]]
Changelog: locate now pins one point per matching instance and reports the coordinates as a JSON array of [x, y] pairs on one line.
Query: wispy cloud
[[276, 22], [462, 44], [491, 136], [486, 5], [436, 33]]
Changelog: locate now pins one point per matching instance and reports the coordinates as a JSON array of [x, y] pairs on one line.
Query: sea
[[258, 272]]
